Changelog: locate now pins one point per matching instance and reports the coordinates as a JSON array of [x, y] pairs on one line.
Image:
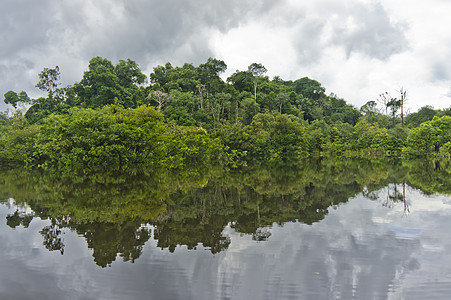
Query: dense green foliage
[[431, 138], [106, 121], [110, 138]]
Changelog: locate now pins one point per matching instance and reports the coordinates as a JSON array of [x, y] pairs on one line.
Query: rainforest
[[184, 184], [117, 119]]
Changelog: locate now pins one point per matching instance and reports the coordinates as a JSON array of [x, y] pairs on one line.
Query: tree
[[160, 97], [100, 85], [48, 79], [213, 68], [426, 113], [129, 73], [430, 138], [161, 75], [370, 136], [309, 88], [337, 110], [402, 100], [14, 99], [394, 105], [384, 99], [219, 101], [241, 81], [287, 139], [282, 98], [369, 108], [11, 98], [129, 77], [209, 73], [105, 84], [249, 109], [3, 118], [257, 71]]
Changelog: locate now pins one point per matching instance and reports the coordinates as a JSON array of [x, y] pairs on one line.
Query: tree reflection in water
[[192, 207]]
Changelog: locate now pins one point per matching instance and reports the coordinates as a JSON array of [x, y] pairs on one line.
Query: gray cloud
[[67, 33], [440, 66], [440, 72], [309, 45], [357, 27], [367, 29], [149, 30], [24, 27]]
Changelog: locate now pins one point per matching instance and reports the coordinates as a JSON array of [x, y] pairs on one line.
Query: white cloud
[[255, 42]]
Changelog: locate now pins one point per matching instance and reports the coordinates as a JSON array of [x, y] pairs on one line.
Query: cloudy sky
[[357, 49]]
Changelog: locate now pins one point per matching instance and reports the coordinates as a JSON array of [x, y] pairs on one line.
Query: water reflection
[[265, 228], [193, 207]]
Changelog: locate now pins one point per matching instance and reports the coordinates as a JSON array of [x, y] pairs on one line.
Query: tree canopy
[[252, 118]]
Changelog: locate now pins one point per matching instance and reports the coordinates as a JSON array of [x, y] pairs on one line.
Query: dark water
[[320, 231]]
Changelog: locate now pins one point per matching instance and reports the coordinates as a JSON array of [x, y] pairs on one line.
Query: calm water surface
[[356, 238]]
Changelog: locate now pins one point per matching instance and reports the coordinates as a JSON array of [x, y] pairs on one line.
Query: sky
[[357, 49]]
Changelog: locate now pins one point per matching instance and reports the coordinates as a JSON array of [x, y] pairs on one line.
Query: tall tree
[[161, 76], [213, 67], [384, 99], [209, 73], [282, 98], [394, 104], [129, 73], [100, 85], [241, 81], [160, 97], [402, 100], [369, 108], [309, 88], [257, 71], [105, 83], [48, 79]]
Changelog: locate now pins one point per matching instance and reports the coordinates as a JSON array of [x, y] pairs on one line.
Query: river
[[322, 230]]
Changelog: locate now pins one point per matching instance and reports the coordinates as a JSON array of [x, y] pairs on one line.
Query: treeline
[[108, 139], [113, 118]]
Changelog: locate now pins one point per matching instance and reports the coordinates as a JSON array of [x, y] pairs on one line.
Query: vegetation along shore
[[114, 119]]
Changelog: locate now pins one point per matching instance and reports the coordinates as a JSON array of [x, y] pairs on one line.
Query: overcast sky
[[357, 49]]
